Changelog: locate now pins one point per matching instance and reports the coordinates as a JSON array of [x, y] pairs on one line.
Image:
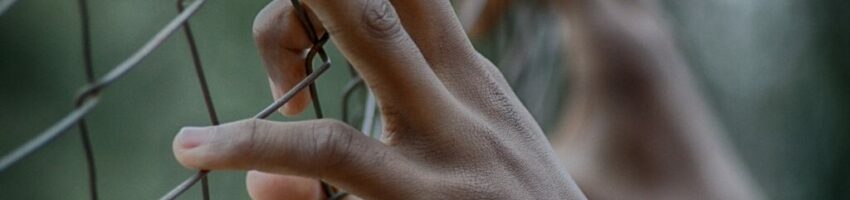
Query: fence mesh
[[88, 99]]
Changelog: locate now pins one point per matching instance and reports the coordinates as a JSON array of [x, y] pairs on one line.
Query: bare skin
[[636, 123], [635, 126], [453, 128]]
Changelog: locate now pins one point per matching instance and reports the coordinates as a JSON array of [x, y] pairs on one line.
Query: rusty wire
[[88, 99]]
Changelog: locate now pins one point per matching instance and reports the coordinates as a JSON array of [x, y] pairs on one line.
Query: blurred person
[[635, 127]]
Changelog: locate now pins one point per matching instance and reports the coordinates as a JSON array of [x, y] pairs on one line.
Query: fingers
[[266, 186], [324, 149], [282, 43], [370, 34], [436, 29]]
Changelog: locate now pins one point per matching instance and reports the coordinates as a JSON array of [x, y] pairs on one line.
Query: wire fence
[[88, 99]]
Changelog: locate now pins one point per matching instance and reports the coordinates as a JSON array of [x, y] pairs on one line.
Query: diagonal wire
[[308, 81], [265, 113], [311, 33], [368, 126], [314, 37], [5, 5], [89, 97], [194, 179], [51, 133]]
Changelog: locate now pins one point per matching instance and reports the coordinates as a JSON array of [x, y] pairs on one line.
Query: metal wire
[[89, 97], [48, 135], [265, 113], [370, 108], [311, 33], [5, 5], [90, 78], [205, 90], [347, 92], [309, 81]]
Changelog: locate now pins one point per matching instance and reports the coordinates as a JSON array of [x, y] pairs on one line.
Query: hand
[[453, 129]]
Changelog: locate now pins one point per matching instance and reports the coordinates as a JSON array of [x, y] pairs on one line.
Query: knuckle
[[245, 143], [268, 20], [270, 17], [332, 143], [381, 20]]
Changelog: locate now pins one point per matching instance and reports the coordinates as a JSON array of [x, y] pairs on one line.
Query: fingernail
[[286, 109], [191, 137]]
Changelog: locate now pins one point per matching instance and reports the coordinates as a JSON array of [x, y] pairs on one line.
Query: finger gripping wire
[[317, 47], [308, 82]]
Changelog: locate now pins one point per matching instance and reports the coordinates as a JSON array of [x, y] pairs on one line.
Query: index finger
[[371, 36]]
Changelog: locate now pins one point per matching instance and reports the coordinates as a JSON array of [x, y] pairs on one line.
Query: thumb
[[323, 149]]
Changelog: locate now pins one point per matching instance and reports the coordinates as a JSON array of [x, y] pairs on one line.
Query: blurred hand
[[635, 125], [453, 129], [480, 16]]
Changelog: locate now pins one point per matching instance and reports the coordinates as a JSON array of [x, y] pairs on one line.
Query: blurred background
[[775, 71]]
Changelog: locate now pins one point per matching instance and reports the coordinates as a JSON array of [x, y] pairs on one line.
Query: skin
[[453, 129], [636, 123], [635, 126]]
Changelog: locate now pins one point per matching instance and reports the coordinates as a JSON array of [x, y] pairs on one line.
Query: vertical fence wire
[[88, 99], [314, 37], [205, 90], [308, 82], [90, 79]]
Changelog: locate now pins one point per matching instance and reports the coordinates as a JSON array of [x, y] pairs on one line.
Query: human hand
[[453, 129]]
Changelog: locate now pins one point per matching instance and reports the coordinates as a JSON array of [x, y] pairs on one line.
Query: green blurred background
[[776, 71]]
